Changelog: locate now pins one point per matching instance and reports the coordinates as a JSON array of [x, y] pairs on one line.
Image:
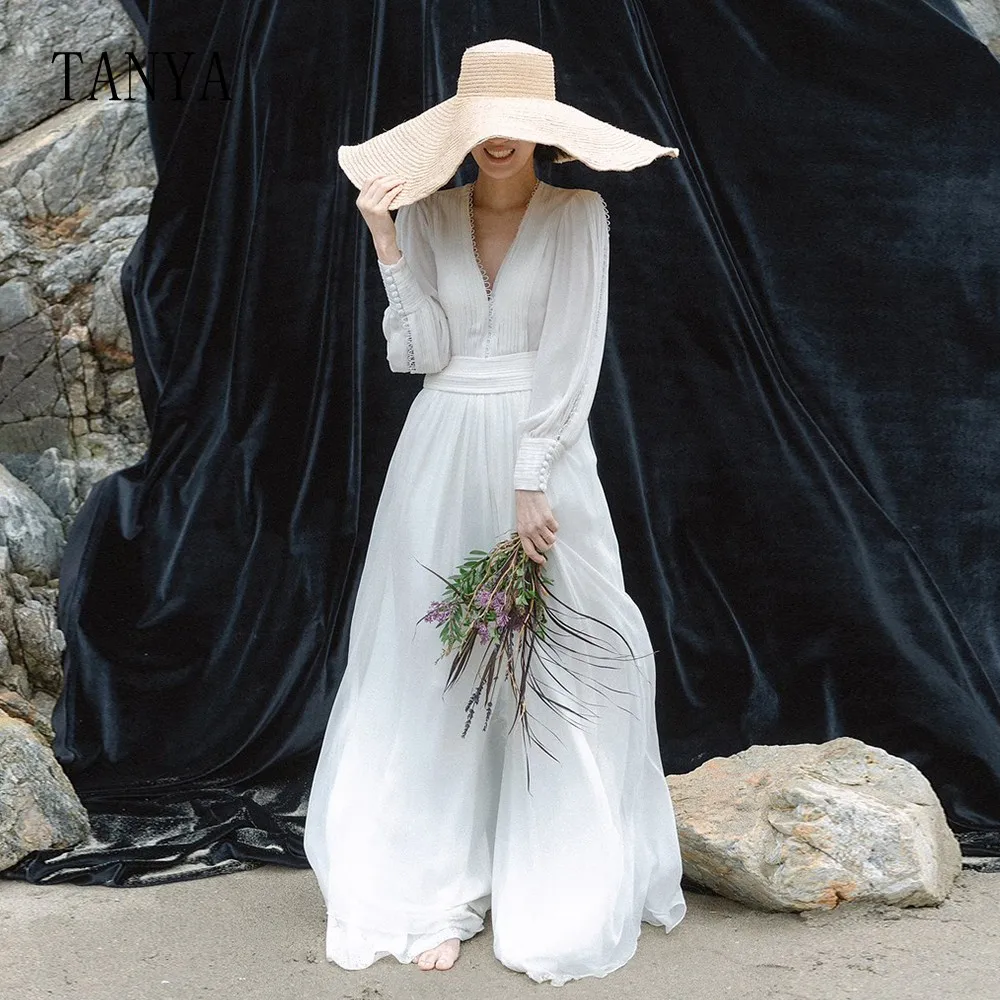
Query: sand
[[258, 935]]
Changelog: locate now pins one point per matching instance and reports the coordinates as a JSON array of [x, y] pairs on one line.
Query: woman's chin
[[500, 170]]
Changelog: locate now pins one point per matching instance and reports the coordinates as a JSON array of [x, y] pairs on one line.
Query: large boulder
[[38, 807], [809, 826]]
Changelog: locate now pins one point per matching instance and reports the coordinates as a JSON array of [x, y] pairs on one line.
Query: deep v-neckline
[[490, 288]]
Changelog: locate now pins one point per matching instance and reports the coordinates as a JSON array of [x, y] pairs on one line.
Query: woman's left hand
[[536, 524]]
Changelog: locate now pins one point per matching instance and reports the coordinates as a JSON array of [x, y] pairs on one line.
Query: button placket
[[396, 301], [490, 332]]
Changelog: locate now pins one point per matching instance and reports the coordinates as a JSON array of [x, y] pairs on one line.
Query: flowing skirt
[[415, 831]]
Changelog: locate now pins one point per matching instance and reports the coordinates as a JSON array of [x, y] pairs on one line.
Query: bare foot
[[441, 957]]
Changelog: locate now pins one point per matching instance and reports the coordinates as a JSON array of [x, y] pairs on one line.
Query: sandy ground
[[258, 935]]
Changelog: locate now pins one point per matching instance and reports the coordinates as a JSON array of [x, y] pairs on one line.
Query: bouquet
[[503, 600]]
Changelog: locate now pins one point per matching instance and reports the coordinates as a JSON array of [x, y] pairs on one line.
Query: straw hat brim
[[425, 151]]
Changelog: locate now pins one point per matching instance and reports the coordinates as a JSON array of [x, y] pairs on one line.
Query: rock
[[47, 593], [64, 483], [29, 380], [807, 826], [74, 193], [7, 600], [20, 708], [19, 587], [24, 346], [984, 18], [73, 161], [13, 676], [54, 480], [38, 807], [45, 704], [41, 644], [32, 84], [107, 453], [129, 204], [32, 435], [74, 267], [108, 321], [17, 303], [29, 530], [14, 248], [33, 642]]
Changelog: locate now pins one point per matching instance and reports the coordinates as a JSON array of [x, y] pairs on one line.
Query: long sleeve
[[414, 324], [571, 348]]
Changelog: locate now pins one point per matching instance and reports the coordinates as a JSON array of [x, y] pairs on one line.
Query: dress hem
[[354, 950], [556, 979], [406, 956]]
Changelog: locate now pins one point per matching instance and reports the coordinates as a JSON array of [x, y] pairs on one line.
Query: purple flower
[[484, 632], [503, 619], [439, 613], [483, 598], [500, 600]]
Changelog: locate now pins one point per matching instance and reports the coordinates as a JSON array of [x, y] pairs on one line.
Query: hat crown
[[507, 68]]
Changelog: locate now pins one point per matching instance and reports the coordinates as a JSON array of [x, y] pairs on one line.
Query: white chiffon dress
[[414, 831]]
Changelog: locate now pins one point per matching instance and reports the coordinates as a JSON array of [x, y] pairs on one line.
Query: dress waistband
[[500, 373]]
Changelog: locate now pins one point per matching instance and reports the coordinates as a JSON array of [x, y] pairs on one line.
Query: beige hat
[[505, 89]]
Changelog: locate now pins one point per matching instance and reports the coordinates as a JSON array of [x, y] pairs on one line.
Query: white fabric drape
[[572, 342], [415, 325]]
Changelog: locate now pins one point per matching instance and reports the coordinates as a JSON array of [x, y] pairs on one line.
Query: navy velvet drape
[[797, 422]]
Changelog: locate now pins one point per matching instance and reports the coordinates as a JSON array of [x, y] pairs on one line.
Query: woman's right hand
[[373, 204], [536, 524]]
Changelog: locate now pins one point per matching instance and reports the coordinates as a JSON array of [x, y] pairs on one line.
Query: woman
[[497, 295]]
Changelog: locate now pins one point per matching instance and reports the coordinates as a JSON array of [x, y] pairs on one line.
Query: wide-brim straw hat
[[505, 89]]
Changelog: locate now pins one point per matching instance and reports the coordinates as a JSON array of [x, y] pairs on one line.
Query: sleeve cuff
[[534, 460], [401, 285]]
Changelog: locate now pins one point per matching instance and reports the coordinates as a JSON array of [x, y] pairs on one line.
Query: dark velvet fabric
[[797, 422]]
